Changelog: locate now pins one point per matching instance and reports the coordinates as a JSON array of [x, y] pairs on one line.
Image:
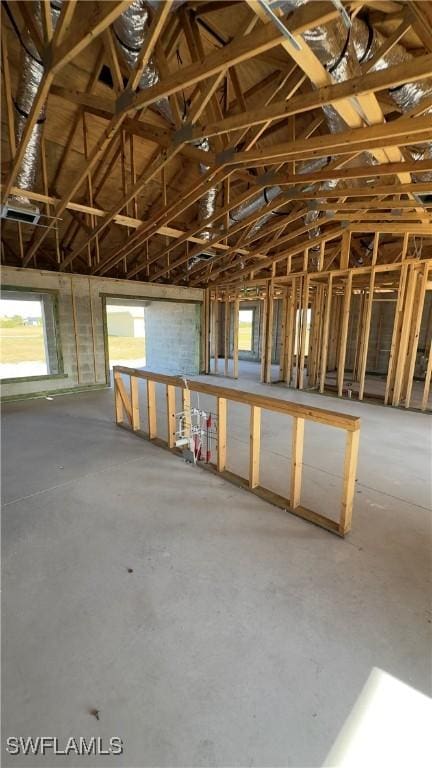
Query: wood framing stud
[[221, 433], [254, 447], [151, 409], [134, 398], [171, 415], [256, 403], [297, 445], [349, 480]]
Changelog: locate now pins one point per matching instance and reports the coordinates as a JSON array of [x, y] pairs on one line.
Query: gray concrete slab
[[243, 635]]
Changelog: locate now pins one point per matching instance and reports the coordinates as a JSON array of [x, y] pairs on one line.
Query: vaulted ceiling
[[199, 142]]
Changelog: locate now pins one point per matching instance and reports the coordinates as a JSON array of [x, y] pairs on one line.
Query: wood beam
[[413, 71], [116, 122], [249, 46], [401, 131]]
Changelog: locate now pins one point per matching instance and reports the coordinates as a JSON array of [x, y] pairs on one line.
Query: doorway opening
[[245, 332], [125, 325]]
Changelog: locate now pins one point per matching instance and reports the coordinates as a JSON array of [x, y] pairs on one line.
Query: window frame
[[54, 294]]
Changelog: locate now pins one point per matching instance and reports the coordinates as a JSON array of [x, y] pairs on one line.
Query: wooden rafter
[[129, 181]]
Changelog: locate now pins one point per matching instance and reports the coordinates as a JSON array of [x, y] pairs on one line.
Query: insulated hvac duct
[[271, 193], [32, 71], [341, 50], [130, 30]]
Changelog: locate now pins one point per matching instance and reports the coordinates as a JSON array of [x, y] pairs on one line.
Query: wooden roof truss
[[119, 185]]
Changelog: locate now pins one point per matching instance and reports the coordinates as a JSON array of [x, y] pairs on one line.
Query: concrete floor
[[374, 385], [243, 635]]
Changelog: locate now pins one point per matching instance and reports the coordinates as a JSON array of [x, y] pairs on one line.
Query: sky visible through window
[[22, 345], [11, 307]]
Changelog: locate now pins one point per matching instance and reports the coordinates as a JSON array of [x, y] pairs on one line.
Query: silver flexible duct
[[130, 31], [32, 71], [253, 206], [341, 51], [206, 203], [407, 96]]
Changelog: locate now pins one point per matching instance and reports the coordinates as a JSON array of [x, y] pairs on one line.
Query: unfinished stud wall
[[255, 354], [362, 332], [81, 325], [381, 331]]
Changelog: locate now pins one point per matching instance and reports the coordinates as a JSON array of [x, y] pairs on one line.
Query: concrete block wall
[[50, 333], [81, 324], [172, 337]]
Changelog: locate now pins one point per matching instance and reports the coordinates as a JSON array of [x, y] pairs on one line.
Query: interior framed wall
[[355, 332]]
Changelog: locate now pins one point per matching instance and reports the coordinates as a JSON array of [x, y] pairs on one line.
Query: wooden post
[[298, 313], [269, 341], [255, 437], [405, 246], [404, 336], [283, 325], [216, 332], [171, 415], [122, 400], [291, 327], [226, 333], [349, 478], [315, 338], [325, 344], [206, 331], [345, 251], [344, 333], [357, 335], [412, 350], [151, 409], [236, 337], [296, 461], [117, 400], [304, 316], [134, 396], [221, 433], [375, 248], [397, 327], [319, 321], [321, 256], [366, 333], [212, 331], [263, 339], [335, 322], [428, 375]]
